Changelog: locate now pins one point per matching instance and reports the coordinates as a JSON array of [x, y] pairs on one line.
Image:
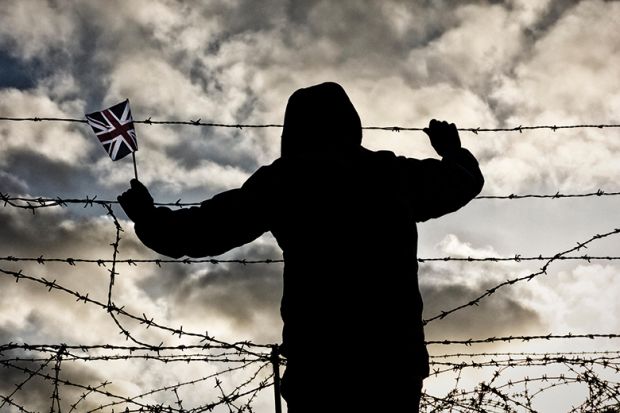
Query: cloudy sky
[[476, 63]]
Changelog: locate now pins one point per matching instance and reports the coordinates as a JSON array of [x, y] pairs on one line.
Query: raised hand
[[444, 137]]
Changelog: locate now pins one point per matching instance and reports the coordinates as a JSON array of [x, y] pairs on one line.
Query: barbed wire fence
[[514, 380]]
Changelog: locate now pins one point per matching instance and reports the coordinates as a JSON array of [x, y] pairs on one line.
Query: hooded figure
[[320, 121], [345, 219]]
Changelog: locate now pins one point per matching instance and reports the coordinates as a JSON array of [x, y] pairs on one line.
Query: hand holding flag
[[114, 128], [137, 202]]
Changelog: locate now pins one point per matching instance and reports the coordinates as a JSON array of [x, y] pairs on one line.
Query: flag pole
[[135, 169]]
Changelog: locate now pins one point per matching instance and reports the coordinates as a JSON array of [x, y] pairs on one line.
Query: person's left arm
[[442, 186]]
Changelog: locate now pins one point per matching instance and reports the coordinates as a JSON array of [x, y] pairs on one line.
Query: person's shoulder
[[388, 156], [377, 156], [266, 174]]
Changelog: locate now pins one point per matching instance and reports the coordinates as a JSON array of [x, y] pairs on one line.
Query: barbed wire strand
[[504, 339], [31, 203], [247, 261], [438, 367], [614, 353], [199, 122]]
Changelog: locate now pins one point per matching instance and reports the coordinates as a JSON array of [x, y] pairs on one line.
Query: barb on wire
[[199, 122]]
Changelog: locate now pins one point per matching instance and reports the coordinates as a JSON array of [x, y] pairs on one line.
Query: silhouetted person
[[345, 218]]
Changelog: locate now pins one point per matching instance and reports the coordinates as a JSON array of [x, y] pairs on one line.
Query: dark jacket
[[345, 219]]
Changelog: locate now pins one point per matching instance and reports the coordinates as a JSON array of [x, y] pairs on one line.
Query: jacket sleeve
[[437, 187], [228, 220]]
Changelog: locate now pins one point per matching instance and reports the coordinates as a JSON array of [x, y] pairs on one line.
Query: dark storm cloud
[[49, 177], [11, 184], [15, 72]]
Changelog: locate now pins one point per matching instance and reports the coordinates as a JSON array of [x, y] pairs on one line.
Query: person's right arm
[[228, 220]]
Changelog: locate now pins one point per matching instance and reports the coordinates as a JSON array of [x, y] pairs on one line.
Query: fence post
[[275, 361]]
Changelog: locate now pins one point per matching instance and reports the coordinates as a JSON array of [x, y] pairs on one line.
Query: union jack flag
[[115, 130]]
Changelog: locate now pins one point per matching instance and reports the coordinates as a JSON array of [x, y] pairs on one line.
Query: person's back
[[350, 280], [345, 219]]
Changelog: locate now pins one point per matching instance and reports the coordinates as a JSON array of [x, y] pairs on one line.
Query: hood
[[320, 120]]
